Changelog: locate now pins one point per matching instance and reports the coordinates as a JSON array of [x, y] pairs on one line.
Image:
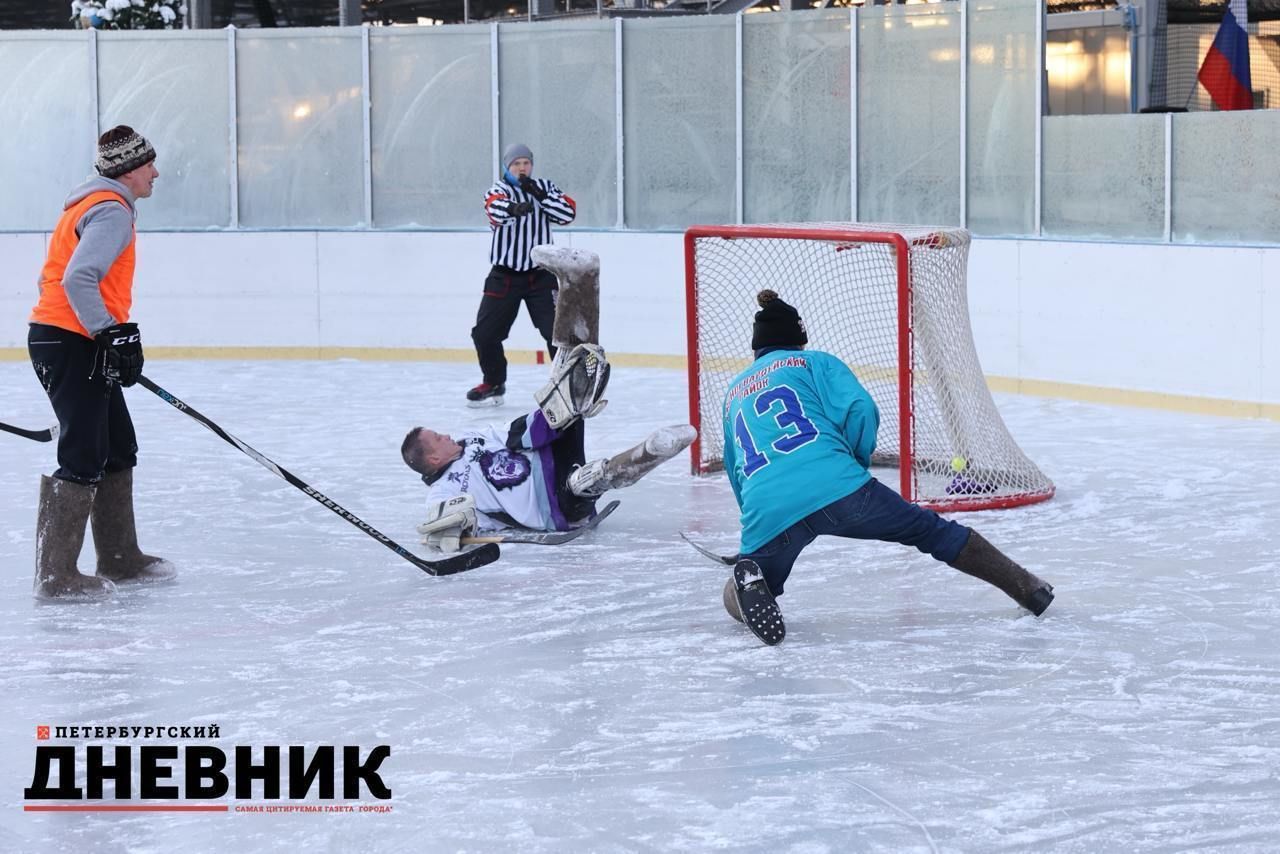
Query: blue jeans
[[874, 512]]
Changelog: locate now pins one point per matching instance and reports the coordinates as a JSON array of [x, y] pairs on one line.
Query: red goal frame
[[837, 235]]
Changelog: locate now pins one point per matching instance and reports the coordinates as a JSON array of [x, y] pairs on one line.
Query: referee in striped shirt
[[521, 209]]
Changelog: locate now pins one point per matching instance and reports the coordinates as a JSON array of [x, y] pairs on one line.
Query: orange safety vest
[[53, 308]]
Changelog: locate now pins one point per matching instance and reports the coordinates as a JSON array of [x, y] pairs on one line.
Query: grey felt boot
[[731, 600], [116, 537], [982, 560], [60, 519], [577, 273], [625, 469]]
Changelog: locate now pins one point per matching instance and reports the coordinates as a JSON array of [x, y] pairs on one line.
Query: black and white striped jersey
[[515, 237]]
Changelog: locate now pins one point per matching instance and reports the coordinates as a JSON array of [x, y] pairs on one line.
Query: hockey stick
[[447, 566], [544, 538], [47, 435], [727, 560]]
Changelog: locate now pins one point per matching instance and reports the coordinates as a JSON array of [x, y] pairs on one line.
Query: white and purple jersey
[[511, 475]]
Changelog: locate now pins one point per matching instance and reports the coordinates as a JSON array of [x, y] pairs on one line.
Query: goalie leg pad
[[578, 380], [588, 481], [600, 383]]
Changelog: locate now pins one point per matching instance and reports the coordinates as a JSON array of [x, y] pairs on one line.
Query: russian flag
[[1225, 70]]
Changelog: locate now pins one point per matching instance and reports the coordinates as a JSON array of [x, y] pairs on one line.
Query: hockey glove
[[448, 522], [531, 187], [520, 209], [120, 348]]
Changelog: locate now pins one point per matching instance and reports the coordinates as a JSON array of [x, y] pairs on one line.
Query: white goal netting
[[891, 302]]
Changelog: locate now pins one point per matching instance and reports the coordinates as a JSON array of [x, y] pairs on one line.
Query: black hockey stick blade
[[445, 566], [544, 538], [47, 435], [727, 560]]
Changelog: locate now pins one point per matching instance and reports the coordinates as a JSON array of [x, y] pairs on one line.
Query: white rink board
[[1197, 321]]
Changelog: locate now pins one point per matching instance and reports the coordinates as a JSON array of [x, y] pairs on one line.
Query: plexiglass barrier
[[909, 114]]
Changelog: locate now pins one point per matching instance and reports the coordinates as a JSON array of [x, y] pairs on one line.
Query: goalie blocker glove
[[448, 522], [576, 386], [120, 351]]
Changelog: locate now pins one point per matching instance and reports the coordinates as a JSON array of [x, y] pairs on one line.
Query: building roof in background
[[56, 14], [1180, 11]]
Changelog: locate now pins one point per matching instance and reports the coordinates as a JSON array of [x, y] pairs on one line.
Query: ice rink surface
[[596, 697]]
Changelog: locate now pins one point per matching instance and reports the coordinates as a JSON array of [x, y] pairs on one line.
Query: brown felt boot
[[982, 560], [116, 537], [64, 508]]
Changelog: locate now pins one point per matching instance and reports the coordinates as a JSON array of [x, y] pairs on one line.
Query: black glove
[[520, 209], [531, 187], [121, 349]]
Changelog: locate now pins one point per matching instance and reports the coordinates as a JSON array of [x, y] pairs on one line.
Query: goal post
[[891, 302]]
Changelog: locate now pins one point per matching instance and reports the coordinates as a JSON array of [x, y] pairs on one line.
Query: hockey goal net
[[891, 302]]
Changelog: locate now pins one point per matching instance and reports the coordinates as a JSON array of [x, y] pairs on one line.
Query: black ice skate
[[756, 605], [486, 395]]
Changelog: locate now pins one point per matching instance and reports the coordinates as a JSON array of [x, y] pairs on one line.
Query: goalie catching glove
[[448, 522], [576, 386]]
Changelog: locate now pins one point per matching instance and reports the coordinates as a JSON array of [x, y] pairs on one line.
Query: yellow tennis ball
[[959, 464]]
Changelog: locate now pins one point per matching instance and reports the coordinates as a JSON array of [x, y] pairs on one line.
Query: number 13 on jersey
[[797, 431]]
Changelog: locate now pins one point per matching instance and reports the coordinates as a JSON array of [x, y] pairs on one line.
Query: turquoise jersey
[[799, 430]]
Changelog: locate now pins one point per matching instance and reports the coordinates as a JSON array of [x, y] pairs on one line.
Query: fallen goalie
[[533, 473]]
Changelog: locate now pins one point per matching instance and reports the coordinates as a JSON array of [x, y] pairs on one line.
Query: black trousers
[[504, 290], [567, 453], [95, 432]]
